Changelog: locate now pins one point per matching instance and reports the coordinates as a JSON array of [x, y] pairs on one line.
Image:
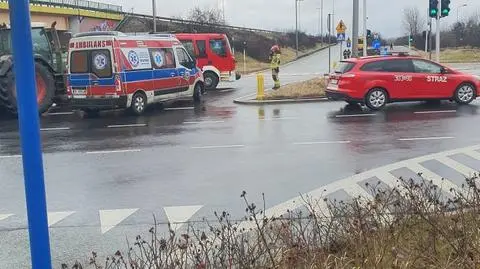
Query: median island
[[313, 88]]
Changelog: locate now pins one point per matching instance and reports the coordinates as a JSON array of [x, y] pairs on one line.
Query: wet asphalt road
[[106, 176]]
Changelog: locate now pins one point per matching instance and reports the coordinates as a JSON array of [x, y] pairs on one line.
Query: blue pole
[[24, 68]]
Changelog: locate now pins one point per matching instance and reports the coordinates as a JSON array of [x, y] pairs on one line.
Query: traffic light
[[433, 8], [445, 8], [369, 33], [411, 38]]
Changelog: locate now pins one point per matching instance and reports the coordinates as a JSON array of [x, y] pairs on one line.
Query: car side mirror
[[444, 70]]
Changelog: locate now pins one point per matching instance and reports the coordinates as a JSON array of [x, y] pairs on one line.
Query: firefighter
[[345, 54], [275, 65]]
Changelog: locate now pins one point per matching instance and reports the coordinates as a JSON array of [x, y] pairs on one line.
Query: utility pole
[[329, 25], [355, 29], [154, 9], [437, 37], [365, 44], [321, 19], [427, 34], [430, 39], [296, 28]]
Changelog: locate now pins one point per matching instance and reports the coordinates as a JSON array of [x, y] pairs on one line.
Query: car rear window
[[79, 62], [396, 65], [344, 67], [101, 63]]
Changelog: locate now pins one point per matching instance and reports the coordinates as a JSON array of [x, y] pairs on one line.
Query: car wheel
[[139, 103], [376, 98], [211, 80], [197, 93], [465, 93]]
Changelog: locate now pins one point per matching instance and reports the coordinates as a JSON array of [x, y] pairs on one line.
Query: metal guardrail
[[91, 5], [223, 26]]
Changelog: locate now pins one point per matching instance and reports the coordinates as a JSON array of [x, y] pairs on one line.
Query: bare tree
[[206, 16], [412, 21]]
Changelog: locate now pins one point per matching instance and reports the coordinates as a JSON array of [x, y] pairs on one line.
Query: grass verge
[[456, 55], [414, 225], [306, 89], [254, 65]]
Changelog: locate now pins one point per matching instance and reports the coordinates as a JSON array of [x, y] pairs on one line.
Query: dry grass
[[305, 89], [456, 55], [254, 65], [414, 225]]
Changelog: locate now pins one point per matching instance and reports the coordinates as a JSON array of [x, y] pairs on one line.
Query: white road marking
[[111, 218], [179, 108], [473, 154], [54, 217], [355, 191], [55, 129], [425, 138], [435, 111], [463, 169], [321, 142], [282, 118], [127, 125], [355, 115], [113, 151], [383, 173], [178, 215], [204, 122], [60, 113], [219, 147], [10, 156], [428, 175], [5, 216]]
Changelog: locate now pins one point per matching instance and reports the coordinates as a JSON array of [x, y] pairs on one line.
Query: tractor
[[50, 62]]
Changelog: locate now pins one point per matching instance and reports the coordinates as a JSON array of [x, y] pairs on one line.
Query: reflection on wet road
[[106, 176]]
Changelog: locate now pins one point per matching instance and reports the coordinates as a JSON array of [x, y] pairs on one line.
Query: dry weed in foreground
[[305, 89], [416, 225]]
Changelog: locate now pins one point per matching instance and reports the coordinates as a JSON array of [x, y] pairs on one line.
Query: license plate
[[79, 91], [334, 81], [332, 87]]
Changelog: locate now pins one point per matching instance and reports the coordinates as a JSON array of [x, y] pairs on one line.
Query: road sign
[[376, 44], [341, 27], [349, 42], [340, 36], [30, 134]]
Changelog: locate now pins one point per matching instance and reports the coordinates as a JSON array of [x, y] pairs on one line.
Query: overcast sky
[[384, 16]]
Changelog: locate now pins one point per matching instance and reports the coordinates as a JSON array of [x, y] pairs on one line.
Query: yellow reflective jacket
[[275, 61]]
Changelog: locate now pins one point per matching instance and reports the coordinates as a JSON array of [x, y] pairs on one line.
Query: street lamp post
[[296, 27], [154, 10], [365, 44], [458, 9]]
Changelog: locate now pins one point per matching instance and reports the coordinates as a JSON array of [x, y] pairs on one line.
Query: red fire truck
[[214, 56]]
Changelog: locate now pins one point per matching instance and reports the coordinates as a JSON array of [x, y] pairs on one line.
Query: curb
[[244, 101]]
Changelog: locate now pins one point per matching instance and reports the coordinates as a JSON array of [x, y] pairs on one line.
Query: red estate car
[[378, 80]]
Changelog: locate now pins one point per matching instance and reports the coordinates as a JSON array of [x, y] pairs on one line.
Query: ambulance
[[112, 70]]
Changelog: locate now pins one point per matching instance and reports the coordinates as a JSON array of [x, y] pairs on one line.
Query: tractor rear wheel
[[45, 84]]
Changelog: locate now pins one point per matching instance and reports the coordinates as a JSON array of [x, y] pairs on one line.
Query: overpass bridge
[[71, 15]]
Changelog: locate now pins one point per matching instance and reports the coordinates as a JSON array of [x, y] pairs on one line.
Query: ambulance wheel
[[376, 98], [211, 80], [139, 103], [465, 93], [197, 93]]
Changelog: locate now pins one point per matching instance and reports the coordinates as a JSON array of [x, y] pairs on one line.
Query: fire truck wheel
[[139, 103], [197, 93], [211, 80]]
